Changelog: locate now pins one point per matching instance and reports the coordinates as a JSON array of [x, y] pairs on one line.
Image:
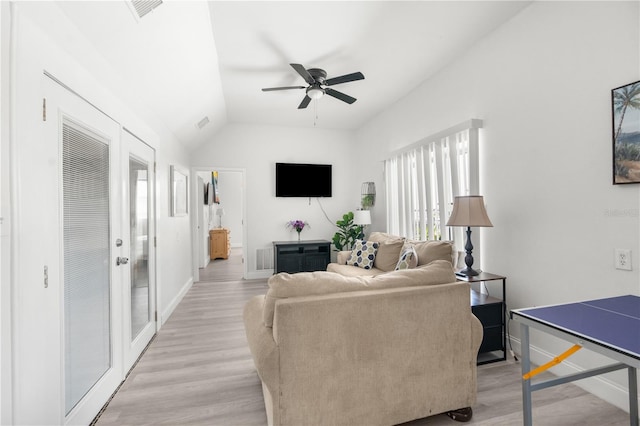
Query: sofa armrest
[[343, 256], [261, 343]]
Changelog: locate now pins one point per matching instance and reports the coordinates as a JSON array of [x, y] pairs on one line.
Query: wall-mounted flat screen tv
[[303, 180]]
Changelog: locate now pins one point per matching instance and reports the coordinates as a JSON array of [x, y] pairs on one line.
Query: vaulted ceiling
[[188, 60]]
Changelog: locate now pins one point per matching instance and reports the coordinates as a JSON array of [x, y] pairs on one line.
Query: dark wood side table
[[491, 311]]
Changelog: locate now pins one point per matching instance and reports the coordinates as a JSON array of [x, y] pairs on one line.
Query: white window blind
[[422, 179], [87, 301]]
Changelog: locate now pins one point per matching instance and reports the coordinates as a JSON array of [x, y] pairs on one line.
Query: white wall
[[5, 249], [541, 83], [231, 187], [47, 41], [256, 149]]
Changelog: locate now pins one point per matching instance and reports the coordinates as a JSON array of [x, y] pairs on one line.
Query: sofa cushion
[[383, 236], [363, 254], [428, 251], [389, 250], [284, 285], [353, 271], [408, 258]]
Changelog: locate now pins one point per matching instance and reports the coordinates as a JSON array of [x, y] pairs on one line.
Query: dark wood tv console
[[301, 256]]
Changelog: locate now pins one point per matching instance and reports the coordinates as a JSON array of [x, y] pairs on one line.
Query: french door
[[139, 241], [90, 279], [85, 305]]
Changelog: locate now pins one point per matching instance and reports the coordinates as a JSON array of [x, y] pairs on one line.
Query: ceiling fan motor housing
[[318, 74]]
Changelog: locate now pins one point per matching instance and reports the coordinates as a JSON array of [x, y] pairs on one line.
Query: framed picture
[[179, 191], [625, 106], [216, 188]]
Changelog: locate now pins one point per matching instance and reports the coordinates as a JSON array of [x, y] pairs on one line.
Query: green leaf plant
[[348, 232]]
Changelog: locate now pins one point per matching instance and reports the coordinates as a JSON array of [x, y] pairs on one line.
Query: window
[[422, 180]]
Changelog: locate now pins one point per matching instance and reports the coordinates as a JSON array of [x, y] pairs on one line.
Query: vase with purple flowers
[[298, 225]]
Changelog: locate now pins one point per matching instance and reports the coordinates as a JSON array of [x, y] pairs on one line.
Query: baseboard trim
[[259, 275], [164, 315], [599, 386]]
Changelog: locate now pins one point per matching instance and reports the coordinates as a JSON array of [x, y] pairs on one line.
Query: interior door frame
[[196, 197]]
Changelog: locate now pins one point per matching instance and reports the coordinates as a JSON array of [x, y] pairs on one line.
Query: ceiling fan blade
[[304, 102], [271, 89], [339, 95], [304, 73], [344, 78]]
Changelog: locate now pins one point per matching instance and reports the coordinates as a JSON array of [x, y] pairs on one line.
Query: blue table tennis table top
[[613, 322]]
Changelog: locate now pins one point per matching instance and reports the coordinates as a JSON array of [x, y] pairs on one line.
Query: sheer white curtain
[[422, 180]]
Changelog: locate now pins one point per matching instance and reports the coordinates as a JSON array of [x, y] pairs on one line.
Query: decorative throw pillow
[[363, 254], [408, 259]]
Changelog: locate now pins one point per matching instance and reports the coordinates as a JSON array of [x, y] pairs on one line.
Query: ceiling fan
[[318, 84]]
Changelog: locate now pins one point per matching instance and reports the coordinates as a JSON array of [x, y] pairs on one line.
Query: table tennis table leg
[[526, 367], [633, 396]]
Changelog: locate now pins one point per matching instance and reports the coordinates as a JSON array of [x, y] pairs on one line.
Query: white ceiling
[[191, 59]]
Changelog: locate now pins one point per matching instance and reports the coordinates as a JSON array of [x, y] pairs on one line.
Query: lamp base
[[467, 272]]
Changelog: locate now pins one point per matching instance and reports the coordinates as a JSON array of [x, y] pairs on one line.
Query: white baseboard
[[599, 386], [258, 275], [164, 315]]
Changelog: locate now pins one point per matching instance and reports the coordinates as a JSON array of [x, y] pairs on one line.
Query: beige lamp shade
[[469, 211], [362, 217]]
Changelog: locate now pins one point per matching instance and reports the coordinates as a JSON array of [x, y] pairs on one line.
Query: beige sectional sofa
[[332, 349], [388, 254]]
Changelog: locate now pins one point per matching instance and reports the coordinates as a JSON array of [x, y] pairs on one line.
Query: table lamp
[[220, 213], [469, 211], [362, 218]]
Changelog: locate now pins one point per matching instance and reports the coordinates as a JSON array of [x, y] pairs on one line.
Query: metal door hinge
[[156, 316], [155, 241], [46, 276], [44, 109]]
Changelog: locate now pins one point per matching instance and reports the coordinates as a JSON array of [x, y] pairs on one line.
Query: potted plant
[[347, 233]]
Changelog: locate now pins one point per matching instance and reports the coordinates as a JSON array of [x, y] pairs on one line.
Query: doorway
[[229, 213]]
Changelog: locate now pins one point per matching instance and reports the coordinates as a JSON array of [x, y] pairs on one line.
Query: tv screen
[[303, 180]]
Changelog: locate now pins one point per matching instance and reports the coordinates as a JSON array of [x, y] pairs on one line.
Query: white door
[[139, 242], [91, 279], [68, 352]]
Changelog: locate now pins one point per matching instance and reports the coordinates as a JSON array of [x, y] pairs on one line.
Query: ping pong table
[[610, 327]]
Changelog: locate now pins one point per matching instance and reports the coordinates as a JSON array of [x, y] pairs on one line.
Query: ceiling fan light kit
[[315, 92], [316, 79]]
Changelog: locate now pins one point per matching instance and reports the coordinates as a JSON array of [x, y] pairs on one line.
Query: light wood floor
[[198, 371]]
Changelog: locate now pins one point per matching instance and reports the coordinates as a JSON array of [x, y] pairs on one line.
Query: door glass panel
[[87, 341], [139, 223]]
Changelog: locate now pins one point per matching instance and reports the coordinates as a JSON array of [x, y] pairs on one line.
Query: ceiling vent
[[141, 8], [203, 122]]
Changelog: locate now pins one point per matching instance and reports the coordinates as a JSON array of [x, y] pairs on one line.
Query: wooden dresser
[[219, 243]]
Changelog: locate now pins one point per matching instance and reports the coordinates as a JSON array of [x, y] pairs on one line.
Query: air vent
[[264, 259], [203, 122], [143, 7]]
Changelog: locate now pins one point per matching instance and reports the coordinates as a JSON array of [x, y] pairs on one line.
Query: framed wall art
[[625, 106], [216, 187], [179, 191]]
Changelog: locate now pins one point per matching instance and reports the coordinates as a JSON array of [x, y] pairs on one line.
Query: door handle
[[122, 261]]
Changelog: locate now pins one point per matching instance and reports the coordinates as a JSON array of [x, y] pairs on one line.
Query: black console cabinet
[[301, 256]]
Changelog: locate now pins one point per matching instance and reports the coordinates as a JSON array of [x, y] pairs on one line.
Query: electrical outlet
[[623, 259]]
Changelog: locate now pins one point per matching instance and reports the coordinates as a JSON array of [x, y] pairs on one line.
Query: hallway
[[224, 269]]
